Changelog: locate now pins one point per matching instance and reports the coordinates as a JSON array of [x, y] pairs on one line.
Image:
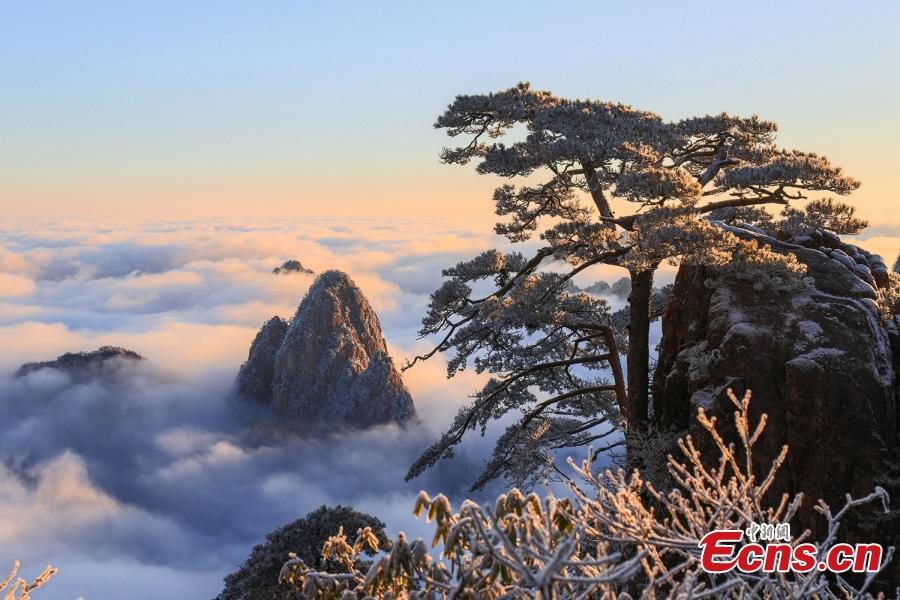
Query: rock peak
[[83, 365], [333, 279], [291, 266], [331, 365]]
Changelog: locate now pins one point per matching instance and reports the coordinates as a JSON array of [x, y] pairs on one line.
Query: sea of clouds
[[148, 485]]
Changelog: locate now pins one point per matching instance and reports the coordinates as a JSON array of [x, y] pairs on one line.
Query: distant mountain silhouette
[[82, 366], [292, 266]]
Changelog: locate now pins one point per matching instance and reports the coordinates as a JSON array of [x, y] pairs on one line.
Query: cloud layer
[[150, 484], [152, 481]]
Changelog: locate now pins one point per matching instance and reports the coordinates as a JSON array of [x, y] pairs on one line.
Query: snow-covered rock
[[818, 362], [255, 378], [330, 366]]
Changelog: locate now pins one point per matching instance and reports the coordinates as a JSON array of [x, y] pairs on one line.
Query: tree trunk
[[596, 188], [615, 365], [639, 348]]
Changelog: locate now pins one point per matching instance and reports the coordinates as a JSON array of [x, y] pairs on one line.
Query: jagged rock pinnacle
[[256, 375], [331, 365]]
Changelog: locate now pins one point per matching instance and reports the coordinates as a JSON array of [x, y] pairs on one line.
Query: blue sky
[[173, 107]]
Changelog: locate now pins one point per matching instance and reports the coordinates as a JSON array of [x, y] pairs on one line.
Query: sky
[[174, 109], [157, 160]]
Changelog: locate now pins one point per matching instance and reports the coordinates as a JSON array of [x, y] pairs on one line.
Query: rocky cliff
[[106, 361], [819, 363], [330, 365], [258, 372]]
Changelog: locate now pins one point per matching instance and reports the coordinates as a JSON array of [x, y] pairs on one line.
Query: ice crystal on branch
[[16, 588], [889, 297], [677, 234], [545, 345], [787, 169], [661, 183]]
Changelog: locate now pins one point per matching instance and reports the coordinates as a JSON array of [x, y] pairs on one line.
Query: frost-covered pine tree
[[554, 354], [825, 213], [820, 214], [300, 540]]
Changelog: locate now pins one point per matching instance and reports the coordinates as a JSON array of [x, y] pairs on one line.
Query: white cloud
[[153, 474], [15, 286], [150, 483]]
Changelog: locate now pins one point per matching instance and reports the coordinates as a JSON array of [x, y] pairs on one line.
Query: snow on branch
[[16, 588], [546, 344], [612, 534]]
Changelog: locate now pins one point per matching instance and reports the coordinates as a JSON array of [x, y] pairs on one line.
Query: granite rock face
[[255, 378], [331, 366], [105, 362], [818, 362]]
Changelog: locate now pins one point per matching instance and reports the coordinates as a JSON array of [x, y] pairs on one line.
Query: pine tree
[[257, 578], [554, 354]]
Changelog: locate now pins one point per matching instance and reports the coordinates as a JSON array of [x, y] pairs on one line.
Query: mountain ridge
[[81, 365]]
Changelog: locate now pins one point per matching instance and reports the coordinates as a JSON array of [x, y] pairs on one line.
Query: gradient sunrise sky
[[195, 109]]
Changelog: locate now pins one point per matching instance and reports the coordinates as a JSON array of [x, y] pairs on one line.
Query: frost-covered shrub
[[744, 215], [889, 296], [16, 588], [824, 213], [611, 535], [257, 579], [677, 235], [819, 214], [648, 450], [764, 268]]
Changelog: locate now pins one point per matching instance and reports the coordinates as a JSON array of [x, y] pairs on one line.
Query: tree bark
[[615, 366], [639, 348], [596, 188]]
